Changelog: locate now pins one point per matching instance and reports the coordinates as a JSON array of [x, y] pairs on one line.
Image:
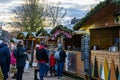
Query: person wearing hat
[[60, 61], [4, 58], [21, 57]]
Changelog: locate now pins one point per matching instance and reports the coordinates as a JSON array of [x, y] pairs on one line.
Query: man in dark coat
[[21, 57], [4, 58]]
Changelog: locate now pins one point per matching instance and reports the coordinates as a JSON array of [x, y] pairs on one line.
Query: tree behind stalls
[[56, 13], [30, 15]]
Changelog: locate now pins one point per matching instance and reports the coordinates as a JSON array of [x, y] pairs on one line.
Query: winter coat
[[62, 56], [52, 61], [13, 59], [41, 54], [20, 56], [5, 54]]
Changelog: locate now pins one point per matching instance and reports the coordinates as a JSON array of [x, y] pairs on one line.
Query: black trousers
[[35, 74], [52, 70], [20, 71]]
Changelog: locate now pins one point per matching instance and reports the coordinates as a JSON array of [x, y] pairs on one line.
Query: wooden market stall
[[42, 35], [103, 24], [71, 42], [22, 36]]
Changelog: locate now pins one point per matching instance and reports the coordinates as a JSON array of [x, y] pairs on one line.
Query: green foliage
[[61, 27], [43, 32]]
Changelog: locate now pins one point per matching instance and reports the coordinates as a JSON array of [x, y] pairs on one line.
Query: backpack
[[57, 55], [41, 54]]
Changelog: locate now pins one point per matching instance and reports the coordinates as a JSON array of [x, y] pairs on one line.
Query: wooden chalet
[[103, 25], [59, 34]]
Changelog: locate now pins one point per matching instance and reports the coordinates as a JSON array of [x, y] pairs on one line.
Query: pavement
[[29, 75]]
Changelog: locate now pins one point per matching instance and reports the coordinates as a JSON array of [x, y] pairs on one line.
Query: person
[[4, 58], [47, 64], [13, 59], [52, 63], [60, 61], [21, 56], [35, 61], [42, 57]]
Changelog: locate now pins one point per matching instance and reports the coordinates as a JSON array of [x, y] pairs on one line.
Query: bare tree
[[56, 13], [30, 15]]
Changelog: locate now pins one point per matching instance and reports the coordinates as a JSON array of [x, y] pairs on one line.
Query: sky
[[74, 8]]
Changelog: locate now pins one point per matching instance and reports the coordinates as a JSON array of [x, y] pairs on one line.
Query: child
[[52, 64]]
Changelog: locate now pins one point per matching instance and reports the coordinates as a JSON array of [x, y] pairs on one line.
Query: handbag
[[34, 64]]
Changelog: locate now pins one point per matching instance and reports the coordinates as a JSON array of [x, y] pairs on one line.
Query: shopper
[[52, 63], [60, 61], [21, 56], [4, 58], [35, 63], [42, 57]]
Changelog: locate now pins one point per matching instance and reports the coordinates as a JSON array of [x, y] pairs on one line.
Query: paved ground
[[28, 75]]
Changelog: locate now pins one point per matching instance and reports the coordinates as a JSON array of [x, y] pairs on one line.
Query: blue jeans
[[42, 68], [60, 67], [47, 69]]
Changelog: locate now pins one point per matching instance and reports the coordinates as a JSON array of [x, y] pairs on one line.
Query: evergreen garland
[[94, 11]]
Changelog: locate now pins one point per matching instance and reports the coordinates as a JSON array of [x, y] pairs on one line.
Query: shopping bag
[[1, 74], [34, 64], [27, 65]]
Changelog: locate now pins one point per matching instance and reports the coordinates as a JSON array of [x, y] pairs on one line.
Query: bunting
[[109, 75], [92, 70], [117, 72], [106, 69], [100, 70], [112, 73], [91, 67], [102, 76], [95, 68]]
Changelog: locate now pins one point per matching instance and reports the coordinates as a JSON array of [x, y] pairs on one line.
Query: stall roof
[[23, 34], [94, 11], [60, 27], [42, 32], [32, 34]]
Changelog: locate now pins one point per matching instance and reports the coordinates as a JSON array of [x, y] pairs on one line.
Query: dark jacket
[[62, 56], [4, 54], [41, 54], [20, 56]]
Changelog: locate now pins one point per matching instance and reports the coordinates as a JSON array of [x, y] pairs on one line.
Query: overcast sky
[[75, 8]]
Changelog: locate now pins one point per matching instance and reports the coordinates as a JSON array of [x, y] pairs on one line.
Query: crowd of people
[[44, 60]]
